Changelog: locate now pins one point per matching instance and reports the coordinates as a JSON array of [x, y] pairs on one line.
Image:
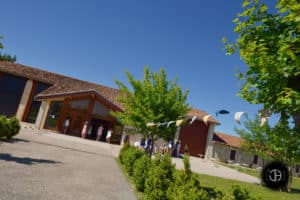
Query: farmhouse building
[[46, 100]]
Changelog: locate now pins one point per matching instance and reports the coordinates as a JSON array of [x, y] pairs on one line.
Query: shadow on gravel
[[25, 160]]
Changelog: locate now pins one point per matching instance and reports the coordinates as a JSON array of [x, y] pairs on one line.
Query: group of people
[[86, 131], [166, 148], [169, 148]]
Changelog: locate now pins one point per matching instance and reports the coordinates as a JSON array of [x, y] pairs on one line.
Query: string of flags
[[264, 114]]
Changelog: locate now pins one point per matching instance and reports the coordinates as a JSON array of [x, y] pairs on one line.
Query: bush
[[160, 177], [220, 195], [130, 155], [186, 185], [239, 193], [140, 172], [122, 151], [9, 127]]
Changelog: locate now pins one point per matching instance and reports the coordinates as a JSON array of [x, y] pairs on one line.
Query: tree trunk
[[151, 147], [289, 188]]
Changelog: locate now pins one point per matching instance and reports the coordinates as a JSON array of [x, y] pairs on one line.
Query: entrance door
[[232, 154], [95, 123]]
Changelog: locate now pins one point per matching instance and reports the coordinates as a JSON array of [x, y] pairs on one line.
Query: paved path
[[45, 165], [53, 166], [208, 167]]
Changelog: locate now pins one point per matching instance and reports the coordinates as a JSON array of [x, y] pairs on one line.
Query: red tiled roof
[[64, 85], [61, 85], [200, 114], [229, 140]]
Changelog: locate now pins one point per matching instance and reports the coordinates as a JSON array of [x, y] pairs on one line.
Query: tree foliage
[[152, 99], [269, 43], [277, 143], [6, 57]]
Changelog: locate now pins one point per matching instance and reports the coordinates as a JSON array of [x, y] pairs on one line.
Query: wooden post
[[30, 100]]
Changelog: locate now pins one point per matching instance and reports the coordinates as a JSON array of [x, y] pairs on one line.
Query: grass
[[210, 182], [257, 190]]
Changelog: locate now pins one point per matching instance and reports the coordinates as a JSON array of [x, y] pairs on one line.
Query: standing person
[[108, 135], [89, 133], [84, 129], [66, 125], [178, 145], [99, 132]]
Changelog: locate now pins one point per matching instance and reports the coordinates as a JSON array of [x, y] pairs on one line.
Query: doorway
[[95, 123]]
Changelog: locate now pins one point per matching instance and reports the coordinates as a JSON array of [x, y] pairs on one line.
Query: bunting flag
[[179, 122], [169, 123], [238, 115], [164, 123], [205, 118], [222, 112], [150, 124], [193, 119]]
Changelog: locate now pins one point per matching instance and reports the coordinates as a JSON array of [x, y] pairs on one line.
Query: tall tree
[[280, 142], [153, 99], [6, 57], [269, 43]]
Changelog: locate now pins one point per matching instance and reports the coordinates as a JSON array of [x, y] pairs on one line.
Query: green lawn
[[258, 190], [226, 184]]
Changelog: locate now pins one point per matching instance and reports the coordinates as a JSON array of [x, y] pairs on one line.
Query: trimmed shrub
[[13, 127], [220, 195], [3, 127], [9, 127], [140, 172], [239, 193], [129, 157], [160, 177], [186, 185], [122, 151]]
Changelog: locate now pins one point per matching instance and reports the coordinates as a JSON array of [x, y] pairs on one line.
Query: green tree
[[269, 43], [280, 142], [152, 99], [6, 57]]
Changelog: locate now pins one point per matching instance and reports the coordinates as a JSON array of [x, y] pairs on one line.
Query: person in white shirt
[[108, 135], [66, 125]]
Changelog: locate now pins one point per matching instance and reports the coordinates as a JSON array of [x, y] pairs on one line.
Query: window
[[53, 115], [11, 90], [232, 154], [101, 110]]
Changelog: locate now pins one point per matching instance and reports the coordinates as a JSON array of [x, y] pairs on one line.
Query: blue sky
[[99, 40]]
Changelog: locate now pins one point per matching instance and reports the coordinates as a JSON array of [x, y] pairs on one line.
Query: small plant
[[239, 193], [159, 178], [220, 195], [122, 151], [9, 127], [140, 172], [129, 157], [186, 185]]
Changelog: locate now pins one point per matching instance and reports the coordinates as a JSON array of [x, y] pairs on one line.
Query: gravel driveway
[[53, 166]]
